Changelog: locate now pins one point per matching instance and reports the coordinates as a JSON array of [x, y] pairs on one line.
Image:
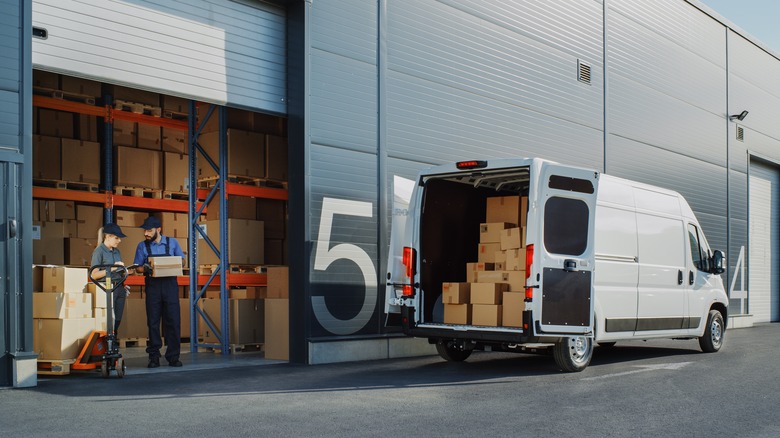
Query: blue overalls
[[162, 301]]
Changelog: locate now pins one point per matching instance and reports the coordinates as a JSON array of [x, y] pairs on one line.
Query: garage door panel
[[764, 229]]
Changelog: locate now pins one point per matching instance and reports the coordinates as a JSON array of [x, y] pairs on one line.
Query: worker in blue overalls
[[162, 294]]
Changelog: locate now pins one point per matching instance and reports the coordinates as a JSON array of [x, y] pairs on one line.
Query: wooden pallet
[[66, 185], [138, 192], [235, 348], [132, 342], [176, 195], [65, 95], [55, 367], [209, 182], [137, 108], [235, 269]]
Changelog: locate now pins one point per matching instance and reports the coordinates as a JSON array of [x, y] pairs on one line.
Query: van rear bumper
[[509, 335]]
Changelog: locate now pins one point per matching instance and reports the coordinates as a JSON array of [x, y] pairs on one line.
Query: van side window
[[696, 253], [570, 184], [566, 226]]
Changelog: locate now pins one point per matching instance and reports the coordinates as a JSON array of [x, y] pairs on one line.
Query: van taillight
[[472, 164], [409, 261], [529, 260]]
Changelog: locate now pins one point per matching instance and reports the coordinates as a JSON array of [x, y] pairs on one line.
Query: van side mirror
[[718, 262]]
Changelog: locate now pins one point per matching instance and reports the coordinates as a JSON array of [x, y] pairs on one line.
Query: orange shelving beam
[[70, 195], [232, 280], [247, 190], [106, 112]]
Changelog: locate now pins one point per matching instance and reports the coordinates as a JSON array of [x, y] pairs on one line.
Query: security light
[[741, 116]]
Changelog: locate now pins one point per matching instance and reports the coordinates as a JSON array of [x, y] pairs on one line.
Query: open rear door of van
[[564, 253], [399, 236]]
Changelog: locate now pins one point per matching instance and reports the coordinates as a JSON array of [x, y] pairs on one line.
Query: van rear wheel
[[573, 353], [452, 354], [713, 334]]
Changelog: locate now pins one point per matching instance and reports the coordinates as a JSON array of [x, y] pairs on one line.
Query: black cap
[[112, 228], [151, 222]]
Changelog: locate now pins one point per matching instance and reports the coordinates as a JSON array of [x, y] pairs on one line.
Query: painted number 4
[[325, 255]]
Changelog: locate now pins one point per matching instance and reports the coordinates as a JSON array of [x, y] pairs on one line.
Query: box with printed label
[[457, 314], [455, 293], [487, 293], [62, 305], [62, 279], [473, 268], [512, 238], [487, 252], [486, 314], [491, 232], [513, 308]]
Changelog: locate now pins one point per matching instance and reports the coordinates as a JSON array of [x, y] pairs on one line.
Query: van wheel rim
[[716, 332], [578, 348]]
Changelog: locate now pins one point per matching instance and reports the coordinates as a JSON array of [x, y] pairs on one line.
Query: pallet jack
[[102, 347]]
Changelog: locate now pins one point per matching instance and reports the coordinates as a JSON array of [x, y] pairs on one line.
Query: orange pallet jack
[[102, 348]]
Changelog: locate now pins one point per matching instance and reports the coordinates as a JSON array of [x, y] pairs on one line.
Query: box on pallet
[[176, 174], [276, 158], [277, 329], [45, 79], [55, 123], [245, 150], [138, 167], [125, 133], [127, 218], [245, 245], [62, 305], [238, 207], [174, 225], [47, 157], [149, 137], [81, 86], [278, 281], [174, 140], [78, 252], [247, 325], [87, 127], [90, 219], [62, 279], [60, 339], [134, 320]]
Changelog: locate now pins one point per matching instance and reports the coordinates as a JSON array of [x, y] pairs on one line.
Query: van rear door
[[564, 254]]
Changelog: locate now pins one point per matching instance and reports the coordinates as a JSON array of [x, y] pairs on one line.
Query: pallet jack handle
[[102, 283]]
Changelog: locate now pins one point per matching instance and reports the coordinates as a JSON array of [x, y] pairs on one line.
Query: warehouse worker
[[162, 294], [107, 253]]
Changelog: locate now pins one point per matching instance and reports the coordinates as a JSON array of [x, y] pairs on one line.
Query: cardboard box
[[247, 320], [62, 279], [81, 86], [135, 95], [487, 293], [175, 104], [149, 137], [47, 158], [62, 305], [175, 224], [278, 281], [245, 150], [513, 307], [491, 232], [238, 207], [472, 268], [245, 245], [125, 133], [515, 259], [184, 310], [78, 252], [134, 325], [455, 293], [49, 251], [138, 167], [457, 314], [174, 140], [130, 243], [487, 252], [514, 279], [37, 278], [133, 219], [511, 209], [90, 220], [45, 79], [236, 118], [48, 230], [274, 250], [87, 127], [58, 210], [277, 329], [166, 266], [55, 123], [486, 314], [98, 295], [275, 230], [177, 173], [60, 339], [80, 161], [276, 158], [271, 210], [101, 321], [512, 238]]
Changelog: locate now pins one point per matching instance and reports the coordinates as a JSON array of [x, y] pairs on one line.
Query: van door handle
[[570, 265], [690, 277], [679, 277]]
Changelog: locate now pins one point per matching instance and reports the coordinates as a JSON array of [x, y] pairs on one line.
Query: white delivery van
[[528, 255]]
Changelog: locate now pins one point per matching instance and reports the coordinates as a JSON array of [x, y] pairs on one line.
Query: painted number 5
[[325, 256]]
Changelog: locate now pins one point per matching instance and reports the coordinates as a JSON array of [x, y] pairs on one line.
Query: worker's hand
[[147, 269], [120, 263]]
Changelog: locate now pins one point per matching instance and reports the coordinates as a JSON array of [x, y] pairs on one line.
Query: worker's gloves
[[147, 270]]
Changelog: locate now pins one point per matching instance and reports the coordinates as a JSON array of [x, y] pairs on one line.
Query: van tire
[[451, 354], [573, 354], [713, 333]]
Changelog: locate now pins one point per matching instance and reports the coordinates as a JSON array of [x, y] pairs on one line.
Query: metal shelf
[[232, 280], [110, 200], [247, 190], [106, 112]]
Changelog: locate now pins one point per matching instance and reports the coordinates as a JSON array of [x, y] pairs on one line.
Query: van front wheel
[[573, 354], [713, 334], [452, 354]]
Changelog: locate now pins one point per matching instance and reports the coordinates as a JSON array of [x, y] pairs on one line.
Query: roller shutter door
[[218, 51], [764, 213]]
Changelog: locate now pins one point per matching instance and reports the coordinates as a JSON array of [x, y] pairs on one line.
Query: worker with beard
[[162, 294]]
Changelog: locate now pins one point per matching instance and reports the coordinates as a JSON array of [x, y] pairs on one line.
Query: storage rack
[[195, 206]]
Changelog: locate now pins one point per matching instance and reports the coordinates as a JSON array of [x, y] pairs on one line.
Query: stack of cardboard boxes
[[493, 294], [65, 233], [62, 312]]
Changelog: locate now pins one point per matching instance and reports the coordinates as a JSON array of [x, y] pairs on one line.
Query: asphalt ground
[[657, 388]]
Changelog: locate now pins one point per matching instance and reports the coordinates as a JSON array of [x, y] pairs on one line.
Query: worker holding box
[[107, 253], [162, 294]]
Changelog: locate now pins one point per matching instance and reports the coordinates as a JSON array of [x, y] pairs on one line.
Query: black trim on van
[[613, 325]]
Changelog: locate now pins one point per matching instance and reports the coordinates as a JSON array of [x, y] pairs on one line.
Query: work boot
[[174, 363], [153, 363]]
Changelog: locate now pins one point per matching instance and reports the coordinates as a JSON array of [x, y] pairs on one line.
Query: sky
[[759, 18]]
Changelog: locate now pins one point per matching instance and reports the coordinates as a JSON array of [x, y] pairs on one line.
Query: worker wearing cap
[[107, 253], [162, 294]]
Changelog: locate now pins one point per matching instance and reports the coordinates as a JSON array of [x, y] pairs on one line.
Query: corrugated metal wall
[[212, 50], [10, 62]]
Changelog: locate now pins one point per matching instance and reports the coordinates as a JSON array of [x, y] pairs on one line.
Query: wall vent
[[740, 133], [583, 72]]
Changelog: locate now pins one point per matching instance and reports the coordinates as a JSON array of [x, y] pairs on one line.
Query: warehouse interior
[[108, 153]]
